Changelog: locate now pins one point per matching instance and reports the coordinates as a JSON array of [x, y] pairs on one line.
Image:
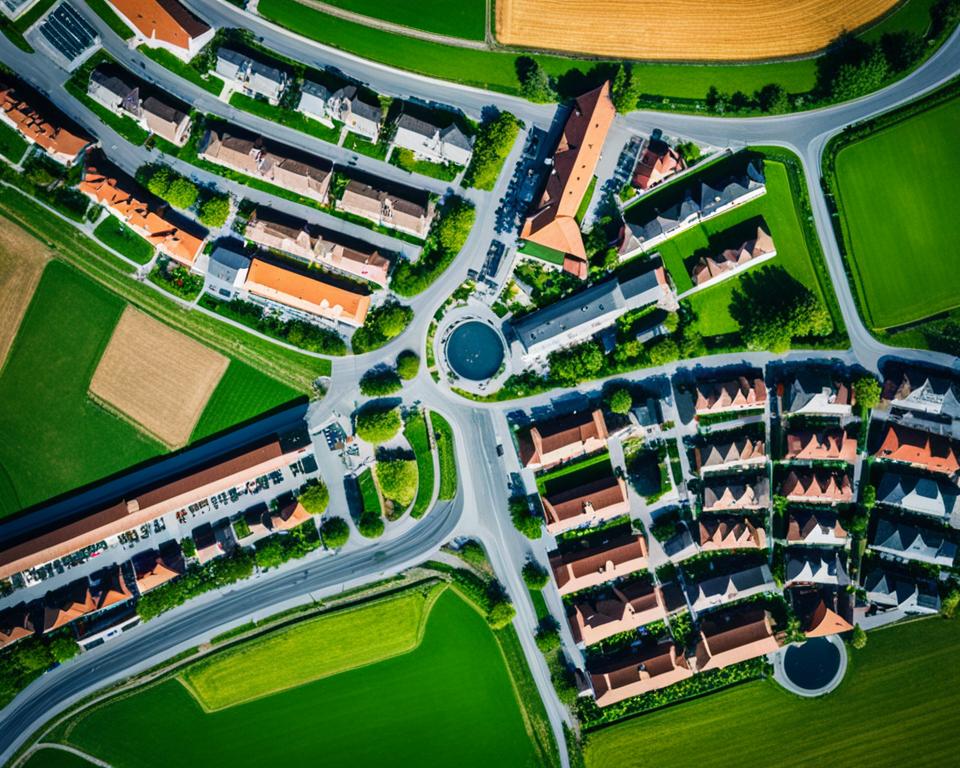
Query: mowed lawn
[[895, 707], [311, 650], [56, 758], [464, 18], [897, 195], [449, 702]]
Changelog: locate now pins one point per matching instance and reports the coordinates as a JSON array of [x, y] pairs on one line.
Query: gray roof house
[[226, 272], [726, 494], [889, 589], [114, 92], [358, 116], [232, 65], [721, 590], [911, 542], [165, 121], [819, 393], [313, 102], [917, 391], [428, 142], [809, 565], [924, 495], [251, 76], [716, 200]]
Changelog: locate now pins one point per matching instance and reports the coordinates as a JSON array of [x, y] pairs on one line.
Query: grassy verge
[[288, 117], [12, 144], [446, 453], [355, 143], [415, 430], [404, 159], [465, 19], [113, 21], [368, 493], [165, 59], [115, 234], [14, 29]]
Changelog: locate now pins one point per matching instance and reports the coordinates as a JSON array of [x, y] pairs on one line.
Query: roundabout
[[471, 351], [813, 667]]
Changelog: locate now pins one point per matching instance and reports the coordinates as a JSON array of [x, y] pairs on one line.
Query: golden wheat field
[[22, 259], [156, 377], [680, 30]]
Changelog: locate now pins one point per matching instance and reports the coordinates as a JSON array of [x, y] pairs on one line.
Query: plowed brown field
[[680, 30], [158, 378], [22, 259]]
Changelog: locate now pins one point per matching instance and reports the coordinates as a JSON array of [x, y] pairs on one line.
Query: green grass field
[[55, 758], [415, 430], [115, 234], [894, 708], [368, 492], [901, 227], [327, 645], [449, 702], [464, 19], [575, 473], [446, 455], [209, 82], [12, 144]]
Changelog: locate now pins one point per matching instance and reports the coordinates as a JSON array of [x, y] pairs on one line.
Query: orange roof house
[[305, 293], [709, 268], [152, 570], [921, 449], [109, 587], [15, 624], [817, 486], [122, 197], [631, 606], [593, 503], [822, 610], [166, 24], [553, 225], [732, 636], [719, 532], [633, 674], [574, 571], [67, 604], [657, 162], [41, 129], [289, 517], [562, 439], [823, 445], [737, 394]]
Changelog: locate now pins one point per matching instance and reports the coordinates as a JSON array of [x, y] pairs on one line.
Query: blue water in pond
[[812, 665], [475, 351]]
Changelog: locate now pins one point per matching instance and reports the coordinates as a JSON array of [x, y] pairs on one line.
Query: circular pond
[[813, 664], [475, 351]]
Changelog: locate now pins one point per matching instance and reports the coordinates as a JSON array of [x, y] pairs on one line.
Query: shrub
[[490, 149], [663, 352], [214, 211], [188, 547], [377, 383], [869, 496], [335, 532], [500, 615], [408, 364], [948, 607], [471, 551], [620, 400], [176, 279], [548, 639], [63, 648], [315, 498], [398, 480], [866, 390], [382, 324], [534, 575], [370, 525], [378, 425], [858, 638], [529, 525]]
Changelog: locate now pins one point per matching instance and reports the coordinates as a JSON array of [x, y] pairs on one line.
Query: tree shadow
[[763, 292]]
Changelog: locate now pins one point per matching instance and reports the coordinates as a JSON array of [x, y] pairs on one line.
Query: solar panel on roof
[[67, 31]]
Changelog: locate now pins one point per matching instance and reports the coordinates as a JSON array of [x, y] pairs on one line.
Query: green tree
[[689, 151], [948, 606], [182, 193], [570, 366], [453, 224], [620, 400], [663, 351], [529, 525], [270, 552], [377, 383], [773, 99], [398, 480], [671, 322], [866, 391], [547, 639], [188, 547], [500, 615], [625, 91], [858, 638], [534, 575], [159, 181], [214, 211], [869, 496], [382, 324], [490, 149], [853, 80], [63, 648], [33, 655], [315, 498], [535, 84], [370, 525], [408, 364], [378, 425], [335, 532]]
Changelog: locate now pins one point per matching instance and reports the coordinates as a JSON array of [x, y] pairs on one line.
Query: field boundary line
[[126, 418], [63, 748]]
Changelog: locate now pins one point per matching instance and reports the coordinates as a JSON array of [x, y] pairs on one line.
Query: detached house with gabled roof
[[67, 604], [154, 568], [118, 94], [814, 565], [931, 496], [432, 143], [815, 526], [715, 533], [891, 588], [165, 24], [45, 130], [15, 624], [817, 486], [917, 448], [732, 636], [411, 211], [560, 439], [357, 115], [743, 451], [628, 606], [822, 610], [741, 393], [582, 569], [817, 393], [251, 77], [822, 445], [729, 495], [551, 227], [724, 589], [921, 392], [709, 270], [589, 504], [634, 673], [657, 162], [904, 541]]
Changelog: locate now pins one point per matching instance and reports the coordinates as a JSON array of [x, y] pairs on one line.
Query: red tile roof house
[[729, 637], [634, 674], [44, 130], [67, 604], [741, 452], [817, 527], [573, 571], [738, 394], [165, 24], [551, 228], [630, 606], [919, 449], [715, 533], [658, 161], [824, 445], [562, 439], [590, 504], [712, 269], [15, 624], [817, 487]]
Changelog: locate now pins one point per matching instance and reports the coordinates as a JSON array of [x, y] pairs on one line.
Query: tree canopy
[[335, 532], [490, 149], [315, 498], [529, 525], [398, 480], [867, 392], [408, 364], [620, 400], [376, 383], [571, 366], [378, 425], [382, 324], [534, 575], [535, 84]]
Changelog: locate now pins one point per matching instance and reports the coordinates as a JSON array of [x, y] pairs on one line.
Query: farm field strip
[[22, 261], [465, 18]]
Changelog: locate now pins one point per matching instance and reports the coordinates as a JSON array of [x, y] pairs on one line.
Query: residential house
[[918, 449], [431, 143], [151, 220], [815, 526], [743, 451], [208, 545], [822, 610], [165, 121], [313, 102], [813, 565], [15, 624], [646, 417], [715, 533], [720, 590], [357, 116], [922, 393], [730, 637], [307, 176], [165, 24], [552, 225], [902, 540], [657, 162], [835, 444], [573, 571], [413, 212], [634, 673], [817, 393], [699, 202], [155, 568], [108, 588], [713, 269], [251, 77], [563, 438], [43, 129], [289, 516], [625, 607], [237, 152], [931, 496], [227, 272], [67, 604], [114, 92], [888, 588], [741, 393], [590, 504], [729, 494], [302, 295], [817, 486]]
